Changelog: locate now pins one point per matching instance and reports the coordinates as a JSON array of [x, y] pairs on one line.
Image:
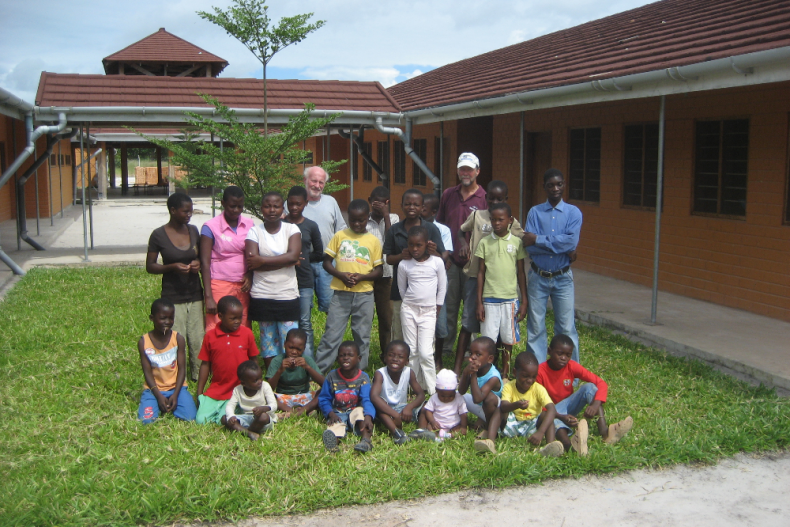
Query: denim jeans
[[575, 403], [148, 411], [322, 290], [560, 289], [305, 320]]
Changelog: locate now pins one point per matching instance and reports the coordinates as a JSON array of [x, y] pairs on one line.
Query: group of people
[[413, 274]]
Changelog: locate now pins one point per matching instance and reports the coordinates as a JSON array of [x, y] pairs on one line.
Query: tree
[[254, 161], [248, 22]]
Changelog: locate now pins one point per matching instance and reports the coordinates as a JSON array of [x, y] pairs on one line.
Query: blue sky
[[383, 41]]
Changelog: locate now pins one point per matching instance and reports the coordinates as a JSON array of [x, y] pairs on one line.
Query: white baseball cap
[[468, 159]]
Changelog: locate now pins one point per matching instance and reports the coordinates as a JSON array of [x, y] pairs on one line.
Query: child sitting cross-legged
[[345, 400], [390, 390], [484, 383], [251, 406], [557, 375], [163, 360], [444, 415], [290, 375], [522, 402]]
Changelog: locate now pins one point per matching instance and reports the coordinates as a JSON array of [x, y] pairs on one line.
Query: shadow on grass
[[74, 454]]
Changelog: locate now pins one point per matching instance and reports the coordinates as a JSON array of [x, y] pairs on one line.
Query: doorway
[[537, 159]]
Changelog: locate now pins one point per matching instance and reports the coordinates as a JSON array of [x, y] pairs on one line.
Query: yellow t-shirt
[[537, 395], [354, 253]]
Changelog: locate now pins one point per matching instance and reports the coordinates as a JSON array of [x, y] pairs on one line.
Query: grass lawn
[[73, 452]]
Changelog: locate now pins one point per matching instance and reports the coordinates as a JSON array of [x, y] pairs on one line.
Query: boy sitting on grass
[[251, 406], [391, 389], [444, 415], [290, 375], [345, 400], [557, 375], [484, 383], [224, 348], [163, 360], [522, 402]]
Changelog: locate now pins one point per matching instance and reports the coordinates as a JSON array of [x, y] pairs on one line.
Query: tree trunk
[[265, 104]]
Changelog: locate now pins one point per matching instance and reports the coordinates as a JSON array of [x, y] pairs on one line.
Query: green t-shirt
[[500, 256], [292, 380]]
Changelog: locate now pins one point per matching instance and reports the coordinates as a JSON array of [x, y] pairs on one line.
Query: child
[[254, 397], [445, 412], [163, 360], [224, 348], [290, 374], [273, 250], [396, 247], [358, 261], [522, 401], [484, 383], [312, 251], [422, 281], [390, 390], [557, 375], [479, 224], [379, 223], [498, 310], [345, 400], [430, 204]]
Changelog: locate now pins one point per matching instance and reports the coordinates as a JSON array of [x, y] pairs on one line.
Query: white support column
[[101, 172]]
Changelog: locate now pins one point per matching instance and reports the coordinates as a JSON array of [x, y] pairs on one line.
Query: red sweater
[[559, 383]]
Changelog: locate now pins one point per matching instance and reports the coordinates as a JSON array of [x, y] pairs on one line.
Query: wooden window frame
[[365, 168], [643, 197], [383, 159], [586, 178], [399, 163], [418, 178]]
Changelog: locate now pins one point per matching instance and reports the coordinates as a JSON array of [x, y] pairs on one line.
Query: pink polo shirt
[[227, 255]]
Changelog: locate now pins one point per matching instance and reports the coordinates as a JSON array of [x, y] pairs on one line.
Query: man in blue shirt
[[551, 236]]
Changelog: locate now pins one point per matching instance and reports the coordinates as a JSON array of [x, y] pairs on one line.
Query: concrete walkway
[[751, 346]]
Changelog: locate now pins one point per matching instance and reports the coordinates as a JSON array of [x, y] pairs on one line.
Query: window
[[365, 168], [640, 165], [421, 149], [720, 167], [399, 174], [308, 158], [584, 175], [68, 159], [53, 160], [384, 157]]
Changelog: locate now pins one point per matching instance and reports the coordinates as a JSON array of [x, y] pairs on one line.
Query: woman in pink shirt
[[222, 256]]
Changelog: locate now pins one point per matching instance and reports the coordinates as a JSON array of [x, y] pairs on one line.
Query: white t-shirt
[[422, 283], [241, 401], [447, 237], [280, 284]]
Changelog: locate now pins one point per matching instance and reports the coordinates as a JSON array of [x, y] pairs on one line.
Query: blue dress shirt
[[558, 231]]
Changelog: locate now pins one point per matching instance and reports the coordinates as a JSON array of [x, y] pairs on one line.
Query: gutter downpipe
[[405, 137], [351, 167], [82, 184], [659, 202]]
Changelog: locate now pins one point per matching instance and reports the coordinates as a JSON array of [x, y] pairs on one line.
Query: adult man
[[551, 236], [456, 205], [326, 213]]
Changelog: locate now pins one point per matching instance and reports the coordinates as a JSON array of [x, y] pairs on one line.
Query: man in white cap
[[456, 205]]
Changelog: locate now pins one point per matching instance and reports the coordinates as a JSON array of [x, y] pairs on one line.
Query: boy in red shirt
[[224, 348], [557, 375]]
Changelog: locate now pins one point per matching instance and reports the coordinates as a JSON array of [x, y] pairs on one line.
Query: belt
[[549, 274]]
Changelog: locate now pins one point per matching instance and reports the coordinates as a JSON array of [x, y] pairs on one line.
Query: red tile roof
[[67, 90], [656, 36], [163, 47]]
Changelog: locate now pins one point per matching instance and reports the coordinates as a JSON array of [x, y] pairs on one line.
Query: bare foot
[[283, 416], [619, 430], [252, 435]]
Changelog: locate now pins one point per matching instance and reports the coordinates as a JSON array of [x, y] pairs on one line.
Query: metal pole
[[38, 215], [351, 162], [90, 189], [60, 176], [521, 171], [82, 179], [659, 200], [49, 192], [213, 199], [441, 159], [328, 143], [16, 176]]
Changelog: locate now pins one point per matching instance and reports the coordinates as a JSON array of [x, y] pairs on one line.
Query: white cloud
[[516, 36]]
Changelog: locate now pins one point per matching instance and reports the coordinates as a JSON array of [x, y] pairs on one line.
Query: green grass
[[73, 452]]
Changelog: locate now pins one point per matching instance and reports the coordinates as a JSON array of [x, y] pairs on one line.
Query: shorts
[[348, 421], [210, 410], [415, 414], [515, 428], [273, 337], [469, 318], [245, 420], [295, 400], [477, 409], [501, 320]]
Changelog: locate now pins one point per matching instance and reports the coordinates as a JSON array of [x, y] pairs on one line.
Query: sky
[[368, 40]]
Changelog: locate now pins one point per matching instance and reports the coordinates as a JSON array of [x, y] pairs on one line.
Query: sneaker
[[619, 430], [330, 440], [553, 449], [421, 433], [364, 446], [579, 439], [400, 437], [485, 446]]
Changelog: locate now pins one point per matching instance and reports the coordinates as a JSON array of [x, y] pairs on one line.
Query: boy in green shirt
[[502, 292]]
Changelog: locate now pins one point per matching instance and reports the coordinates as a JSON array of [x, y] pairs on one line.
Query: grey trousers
[[456, 279], [359, 308], [190, 322]]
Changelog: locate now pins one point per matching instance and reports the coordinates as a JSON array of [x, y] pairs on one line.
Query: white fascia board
[[745, 70]]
